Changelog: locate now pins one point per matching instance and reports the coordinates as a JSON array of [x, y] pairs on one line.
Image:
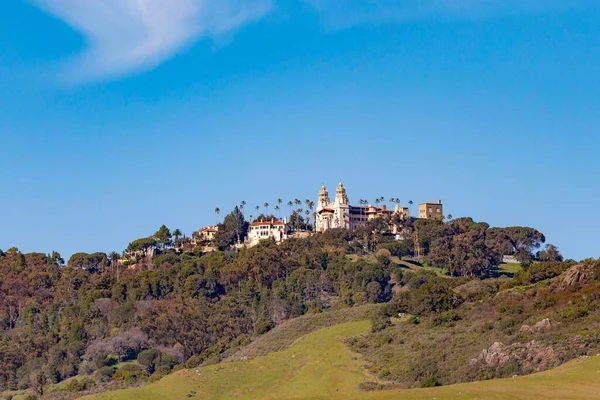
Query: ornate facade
[[340, 214], [260, 230]]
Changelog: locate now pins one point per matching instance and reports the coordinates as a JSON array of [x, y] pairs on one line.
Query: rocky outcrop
[[532, 355], [579, 274], [540, 326]]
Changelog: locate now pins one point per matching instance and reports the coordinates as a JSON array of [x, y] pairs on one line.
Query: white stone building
[[340, 214], [260, 230]]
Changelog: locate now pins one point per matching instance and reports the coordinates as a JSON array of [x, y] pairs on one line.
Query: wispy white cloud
[[126, 36], [340, 14]]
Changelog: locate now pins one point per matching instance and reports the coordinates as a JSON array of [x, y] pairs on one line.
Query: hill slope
[[320, 366]]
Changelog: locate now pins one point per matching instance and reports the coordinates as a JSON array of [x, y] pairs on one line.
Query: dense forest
[[177, 306]]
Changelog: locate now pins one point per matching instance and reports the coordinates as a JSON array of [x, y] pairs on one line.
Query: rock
[[543, 325], [527, 355], [526, 329], [577, 274], [540, 326]]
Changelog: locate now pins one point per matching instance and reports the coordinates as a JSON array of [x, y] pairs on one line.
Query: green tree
[[149, 359], [163, 237], [233, 229], [550, 253], [177, 234], [519, 241]]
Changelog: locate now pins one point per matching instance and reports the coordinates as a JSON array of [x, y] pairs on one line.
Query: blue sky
[[117, 116]]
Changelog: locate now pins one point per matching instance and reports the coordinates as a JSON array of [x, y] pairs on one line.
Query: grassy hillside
[[319, 365]]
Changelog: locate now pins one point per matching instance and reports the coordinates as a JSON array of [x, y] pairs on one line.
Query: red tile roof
[[259, 223]]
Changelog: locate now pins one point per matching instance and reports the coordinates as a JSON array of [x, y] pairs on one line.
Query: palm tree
[[279, 201], [114, 262], [266, 209], [277, 210], [449, 217], [297, 202], [410, 203], [377, 201], [242, 205], [290, 204], [176, 234], [307, 212], [257, 208], [298, 216], [217, 211]]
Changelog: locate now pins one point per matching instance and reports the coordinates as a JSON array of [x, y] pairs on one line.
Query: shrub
[[384, 373], [105, 374], [263, 326], [430, 381], [130, 373], [77, 385], [432, 297], [383, 252], [148, 359], [447, 319], [379, 322], [370, 386], [161, 260], [194, 361], [573, 313]]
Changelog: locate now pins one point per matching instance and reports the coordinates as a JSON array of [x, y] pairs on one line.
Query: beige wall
[[431, 210]]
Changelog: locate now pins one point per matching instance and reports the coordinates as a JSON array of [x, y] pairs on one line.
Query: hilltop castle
[[340, 214]]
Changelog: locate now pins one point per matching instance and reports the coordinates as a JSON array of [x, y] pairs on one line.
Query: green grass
[[509, 269], [320, 366], [437, 270]]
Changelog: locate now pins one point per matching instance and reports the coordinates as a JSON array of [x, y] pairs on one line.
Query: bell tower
[[341, 207], [340, 194], [323, 198]]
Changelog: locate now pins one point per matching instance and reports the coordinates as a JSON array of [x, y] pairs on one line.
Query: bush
[[370, 386], [384, 373], [379, 322], [148, 359], [160, 373], [446, 319], [194, 361], [433, 297], [540, 272], [130, 373], [105, 374], [573, 313], [264, 326], [77, 385]]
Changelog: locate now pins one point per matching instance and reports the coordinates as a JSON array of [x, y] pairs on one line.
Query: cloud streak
[[127, 36]]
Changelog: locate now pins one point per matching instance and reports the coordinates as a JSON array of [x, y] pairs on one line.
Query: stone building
[[340, 214], [431, 210], [206, 234], [260, 230]]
